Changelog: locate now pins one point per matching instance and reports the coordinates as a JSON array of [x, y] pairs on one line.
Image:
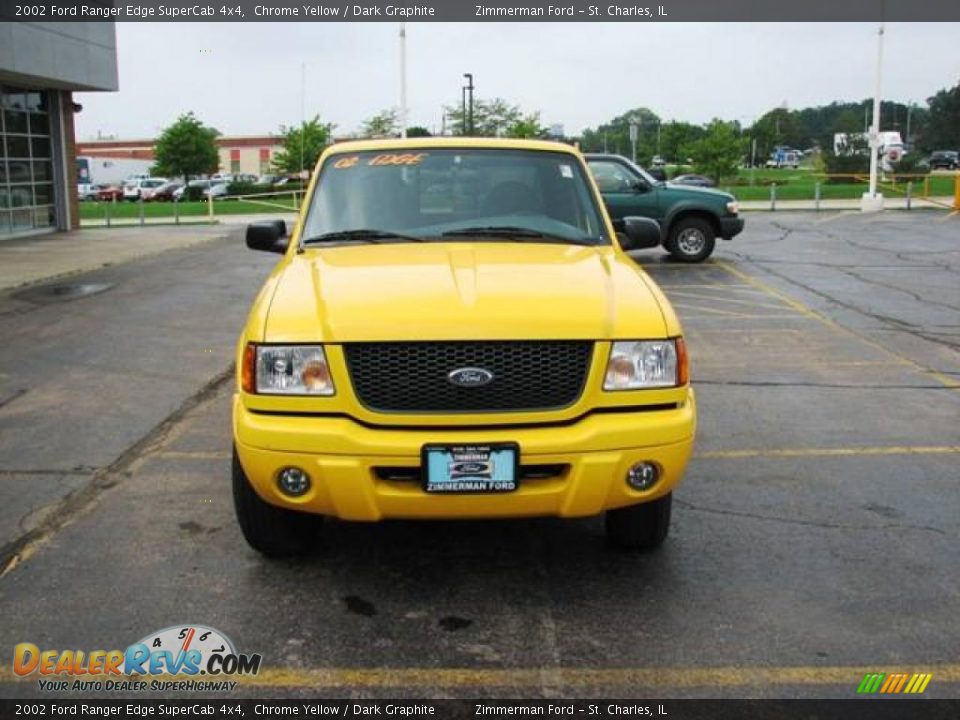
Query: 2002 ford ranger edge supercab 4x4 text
[[455, 331]]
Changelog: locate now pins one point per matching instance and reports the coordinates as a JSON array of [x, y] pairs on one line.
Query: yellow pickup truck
[[455, 331]]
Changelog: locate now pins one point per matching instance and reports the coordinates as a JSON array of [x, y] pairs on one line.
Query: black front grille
[[413, 376]]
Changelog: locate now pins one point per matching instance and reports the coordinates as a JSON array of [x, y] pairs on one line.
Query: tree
[[416, 131], [186, 148], [778, 127], [719, 152], [614, 136], [315, 137], [675, 137], [527, 126], [383, 124], [942, 130], [491, 118]]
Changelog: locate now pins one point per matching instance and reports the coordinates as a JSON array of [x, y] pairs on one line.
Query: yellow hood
[[461, 291]]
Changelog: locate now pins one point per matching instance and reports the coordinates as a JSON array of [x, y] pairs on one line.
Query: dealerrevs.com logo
[[187, 657]]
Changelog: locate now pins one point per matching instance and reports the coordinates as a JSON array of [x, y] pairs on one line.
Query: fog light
[[643, 476], [293, 481]]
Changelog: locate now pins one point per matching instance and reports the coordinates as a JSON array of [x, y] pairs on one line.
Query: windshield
[[450, 194]]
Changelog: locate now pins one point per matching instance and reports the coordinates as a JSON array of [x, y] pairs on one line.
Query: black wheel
[[640, 527], [691, 240], [268, 529]]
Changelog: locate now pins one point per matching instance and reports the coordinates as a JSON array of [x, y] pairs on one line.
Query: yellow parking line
[[709, 311], [722, 286], [720, 298], [707, 362], [569, 677], [795, 304], [830, 452], [192, 454], [680, 266], [811, 313], [831, 218]]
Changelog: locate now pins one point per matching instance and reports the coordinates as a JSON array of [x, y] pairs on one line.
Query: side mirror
[[639, 233], [640, 187], [268, 235]]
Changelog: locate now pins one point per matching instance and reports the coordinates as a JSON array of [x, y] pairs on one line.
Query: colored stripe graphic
[[894, 683], [870, 683], [918, 683]]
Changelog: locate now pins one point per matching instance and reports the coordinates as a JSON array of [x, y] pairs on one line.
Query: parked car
[[204, 185], [216, 190], [268, 179], [486, 406], [87, 191], [944, 160], [110, 193], [691, 218], [139, 188], [789, 159], [162, 193], [693, 180]]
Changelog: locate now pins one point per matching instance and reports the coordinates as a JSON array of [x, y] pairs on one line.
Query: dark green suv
[[691, 218]]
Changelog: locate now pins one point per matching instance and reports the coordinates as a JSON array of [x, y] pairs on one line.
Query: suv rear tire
[[268, 529], [691, 240], [640, 527]]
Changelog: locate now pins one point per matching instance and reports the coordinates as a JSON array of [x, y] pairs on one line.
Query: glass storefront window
[[15, 122], [42, 171], [27, 195]]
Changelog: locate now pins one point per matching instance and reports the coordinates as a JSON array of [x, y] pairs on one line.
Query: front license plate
[[470, 468]]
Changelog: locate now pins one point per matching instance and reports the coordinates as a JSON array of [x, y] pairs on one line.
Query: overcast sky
[[245, 78]]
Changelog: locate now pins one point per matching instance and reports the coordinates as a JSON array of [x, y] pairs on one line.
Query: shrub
[[247, 188], [192, 193], [911, 164], [852, 164]]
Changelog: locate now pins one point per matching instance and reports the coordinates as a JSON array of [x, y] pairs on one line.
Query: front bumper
[[730, 226], [342, 458]]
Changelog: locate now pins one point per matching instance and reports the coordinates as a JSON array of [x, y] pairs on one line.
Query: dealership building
[[247, 154], [41, 65]]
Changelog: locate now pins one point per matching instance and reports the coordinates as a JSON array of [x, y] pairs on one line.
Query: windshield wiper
[[517, 233], [361, 235]]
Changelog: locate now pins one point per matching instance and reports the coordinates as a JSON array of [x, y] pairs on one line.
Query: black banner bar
[[480, 10], [872, 709]]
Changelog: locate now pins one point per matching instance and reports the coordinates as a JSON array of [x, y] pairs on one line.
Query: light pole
[[469, 77], [872, 201], [403, 79], [303, 117], [463, 109], [908, 144]]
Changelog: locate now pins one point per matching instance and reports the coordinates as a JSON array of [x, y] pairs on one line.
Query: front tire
[[270, 530], [691, 240], [640, 527]]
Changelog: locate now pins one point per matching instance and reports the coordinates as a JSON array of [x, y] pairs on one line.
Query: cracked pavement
[[815, 533]]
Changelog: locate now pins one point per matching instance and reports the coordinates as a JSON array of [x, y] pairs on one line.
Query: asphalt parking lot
[[814, 538]]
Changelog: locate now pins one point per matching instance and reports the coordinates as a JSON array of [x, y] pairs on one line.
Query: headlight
[[286, 370], [733, 207], [637, 364]]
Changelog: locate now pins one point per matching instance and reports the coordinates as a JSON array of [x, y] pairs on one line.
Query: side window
[[611, 177]]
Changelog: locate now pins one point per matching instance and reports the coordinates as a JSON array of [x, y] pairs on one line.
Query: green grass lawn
[[130, 210], [800, 184], [750, 185]]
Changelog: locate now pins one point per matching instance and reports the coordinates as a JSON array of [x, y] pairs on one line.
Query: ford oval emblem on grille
[[470, 377]]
